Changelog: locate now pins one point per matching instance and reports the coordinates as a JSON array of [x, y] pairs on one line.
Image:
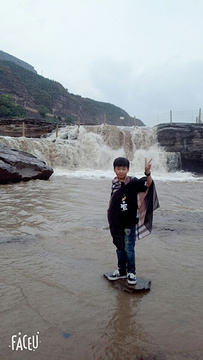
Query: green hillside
[[35, 92], [8, 57]]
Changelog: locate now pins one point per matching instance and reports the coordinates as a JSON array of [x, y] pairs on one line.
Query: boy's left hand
[[147, 166]]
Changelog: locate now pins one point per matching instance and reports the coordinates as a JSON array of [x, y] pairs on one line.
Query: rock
[[185, 139], [16, 165]]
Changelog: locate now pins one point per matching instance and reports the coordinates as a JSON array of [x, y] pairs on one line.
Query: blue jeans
[[126, 256]]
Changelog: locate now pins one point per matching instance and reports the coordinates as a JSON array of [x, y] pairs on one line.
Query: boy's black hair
[[121, 161]]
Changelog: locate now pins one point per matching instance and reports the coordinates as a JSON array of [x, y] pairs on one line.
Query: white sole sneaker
[[112, 278], [132, 282], [131, 278]]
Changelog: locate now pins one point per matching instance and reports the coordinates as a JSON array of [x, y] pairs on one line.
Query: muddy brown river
[[54, 248]]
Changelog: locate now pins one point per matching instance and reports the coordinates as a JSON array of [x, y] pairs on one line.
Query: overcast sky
[[145, 56]]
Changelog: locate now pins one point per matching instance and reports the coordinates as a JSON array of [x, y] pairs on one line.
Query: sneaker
[[131, 278], [116, 275]]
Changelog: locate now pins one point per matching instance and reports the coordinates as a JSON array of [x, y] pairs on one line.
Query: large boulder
[[186, 140], [16, 165]]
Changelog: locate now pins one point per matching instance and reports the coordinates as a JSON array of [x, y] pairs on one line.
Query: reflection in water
[[123, 337]]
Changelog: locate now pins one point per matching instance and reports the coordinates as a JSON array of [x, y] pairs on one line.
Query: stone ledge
[[186, 139]]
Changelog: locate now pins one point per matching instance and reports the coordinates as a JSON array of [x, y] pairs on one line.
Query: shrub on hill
[[8, 107]]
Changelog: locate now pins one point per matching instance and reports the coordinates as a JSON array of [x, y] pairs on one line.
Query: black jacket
[[118, 221]]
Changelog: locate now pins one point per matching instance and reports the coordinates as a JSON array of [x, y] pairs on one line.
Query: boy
[[122, 215]]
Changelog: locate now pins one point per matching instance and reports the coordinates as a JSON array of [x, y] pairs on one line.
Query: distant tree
[[8, 108], [43, 111], [70, 120], [3, 111], [6, 99]]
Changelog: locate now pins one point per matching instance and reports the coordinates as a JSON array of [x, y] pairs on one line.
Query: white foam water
[[177, 176], [89, 151]]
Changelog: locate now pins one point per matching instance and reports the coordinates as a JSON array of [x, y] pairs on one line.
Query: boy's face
[[121, 172]]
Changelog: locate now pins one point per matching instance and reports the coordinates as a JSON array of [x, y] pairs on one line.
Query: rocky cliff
[[31, 128], [185, 139]]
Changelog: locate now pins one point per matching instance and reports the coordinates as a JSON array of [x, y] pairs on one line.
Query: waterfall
[[95, 148]]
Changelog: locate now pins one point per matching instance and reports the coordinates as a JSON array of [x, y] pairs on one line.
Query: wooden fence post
[[200, 114], [171, 117], [57, 130], [23, 129], [104, 118], [134, 120]]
